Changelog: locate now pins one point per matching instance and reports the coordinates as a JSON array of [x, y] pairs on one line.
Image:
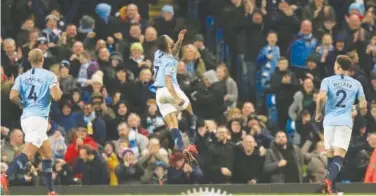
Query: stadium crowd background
[[251, 68]]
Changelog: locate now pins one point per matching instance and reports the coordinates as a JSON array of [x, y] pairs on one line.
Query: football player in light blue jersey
[[340, 93], [33, 91], [170, 98]]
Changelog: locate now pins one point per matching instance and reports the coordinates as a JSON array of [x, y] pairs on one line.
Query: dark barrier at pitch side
[[178, 189]]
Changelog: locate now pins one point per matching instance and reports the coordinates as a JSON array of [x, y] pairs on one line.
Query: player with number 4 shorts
[[338, 93]]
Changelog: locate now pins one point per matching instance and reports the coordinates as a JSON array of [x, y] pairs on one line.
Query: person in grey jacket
[[303, 99], [283, 161], [317, 162], [232, 89]]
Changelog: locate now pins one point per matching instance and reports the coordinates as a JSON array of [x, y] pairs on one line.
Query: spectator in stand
[[221, 164], [371, 52], [248, 162], [122, 113], [64, 116], [303, 99], [87, 69], [313, 71], [23, 36], [268, 58], [104, 23], [328, 62], [129, 15], [308, 128], [284, 84], [283, 161], [168, 24], [302, 47], [150, 157], [81, 138], [261, 134], [135, 34], [316, 161], [59, 146], [94, 170], [13, 146], [135, 141], [74, 57], [286, 24], [110, 156], [192, 59], [181, 172], [63, 174], [66, 81], [150, 45], [86, 26], [134, 122], [142, 92], [232, 89], [185, 79], [207, 56], [370, 176], [159, 176], [129, 171], [237, 133], [96, 127], [316, 11], [49, 57], [106, 67], [153, 120], [32, 39], [10, 58], [209, 103], [67, 40], [137, 60], [52, 33]]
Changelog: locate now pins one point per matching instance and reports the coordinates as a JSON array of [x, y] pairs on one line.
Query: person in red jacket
[[82, 138], [371, 170]]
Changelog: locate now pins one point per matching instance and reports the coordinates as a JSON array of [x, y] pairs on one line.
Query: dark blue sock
[[192, 128], [334, 168], [330, 160], [18, 163], [47, 174], [176, 136]]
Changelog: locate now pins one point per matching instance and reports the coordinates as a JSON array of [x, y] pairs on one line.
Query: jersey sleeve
[[170, 69], [324, 85], [52, 81], [17, 84], [360, 91]]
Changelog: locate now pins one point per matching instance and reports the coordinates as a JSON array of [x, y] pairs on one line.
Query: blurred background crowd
[[251, 68]]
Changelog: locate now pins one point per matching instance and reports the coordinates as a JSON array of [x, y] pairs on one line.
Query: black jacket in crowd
[[95, 172], [247, 167]]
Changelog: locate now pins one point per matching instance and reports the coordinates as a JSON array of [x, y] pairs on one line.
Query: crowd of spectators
[[107, 128]]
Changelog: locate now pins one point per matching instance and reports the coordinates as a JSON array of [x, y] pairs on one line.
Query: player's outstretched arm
[[177, 46], [15, 97], [56, 92], [362, 102], [321, 99]]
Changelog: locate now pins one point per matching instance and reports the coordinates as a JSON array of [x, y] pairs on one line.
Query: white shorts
[[167, 108], [35, 129], [337, 137]]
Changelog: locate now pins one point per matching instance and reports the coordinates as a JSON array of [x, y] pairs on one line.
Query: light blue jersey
[[164, 64], [341, 94], [34, 88]]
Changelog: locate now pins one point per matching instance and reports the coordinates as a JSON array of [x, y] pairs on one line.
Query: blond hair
[[192, 47], [225, 69], [36, 57]]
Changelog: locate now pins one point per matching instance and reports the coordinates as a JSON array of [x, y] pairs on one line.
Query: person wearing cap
[[66, 81], [207, 56], [167, 24], [86, 26], [129, 171], [49, 58]]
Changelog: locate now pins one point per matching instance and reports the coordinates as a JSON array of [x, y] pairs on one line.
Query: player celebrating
[[340, 91], [36, 88], [170, 98]]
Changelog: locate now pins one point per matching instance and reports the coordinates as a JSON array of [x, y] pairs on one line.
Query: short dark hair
[[345, 62], [89, 150], [162, 43]]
